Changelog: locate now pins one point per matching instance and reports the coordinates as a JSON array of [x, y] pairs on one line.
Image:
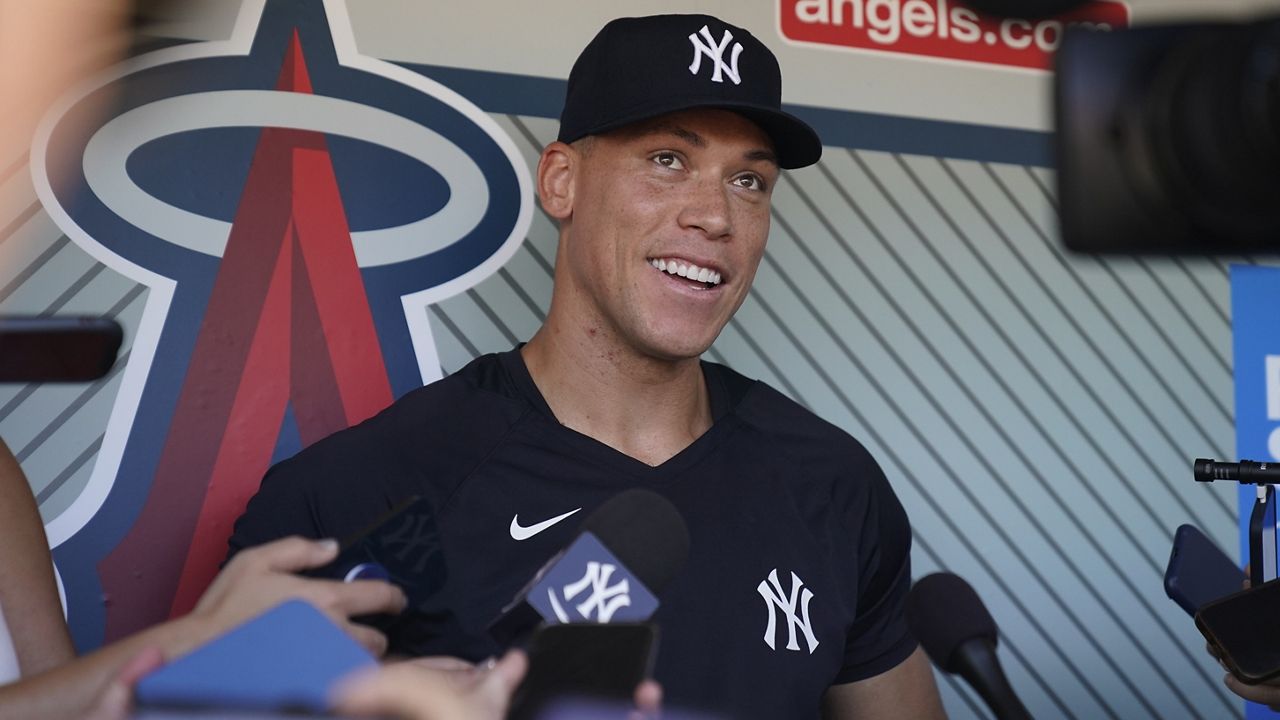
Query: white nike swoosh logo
[[519, 532]]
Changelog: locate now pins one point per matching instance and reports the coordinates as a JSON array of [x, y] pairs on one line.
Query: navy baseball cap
[[639, 68]]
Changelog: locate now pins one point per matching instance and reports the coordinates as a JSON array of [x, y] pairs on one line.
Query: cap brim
[[796, 144]]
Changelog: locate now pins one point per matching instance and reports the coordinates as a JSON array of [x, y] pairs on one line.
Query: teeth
[[685, 270]]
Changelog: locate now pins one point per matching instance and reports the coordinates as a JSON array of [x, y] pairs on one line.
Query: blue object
[[1199, 572], [1255, 329], [288, 658]]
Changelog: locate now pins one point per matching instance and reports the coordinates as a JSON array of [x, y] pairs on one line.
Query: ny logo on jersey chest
[[793, 605]]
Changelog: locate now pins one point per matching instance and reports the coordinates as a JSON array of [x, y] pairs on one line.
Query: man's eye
[[750, 182], [668, 159]]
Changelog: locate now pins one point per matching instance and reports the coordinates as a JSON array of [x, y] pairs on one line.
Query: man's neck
[[647, 408]]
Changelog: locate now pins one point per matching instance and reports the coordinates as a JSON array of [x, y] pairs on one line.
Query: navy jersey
[[799, 560]]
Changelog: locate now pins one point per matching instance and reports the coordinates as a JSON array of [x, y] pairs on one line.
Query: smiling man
[[672, 139]]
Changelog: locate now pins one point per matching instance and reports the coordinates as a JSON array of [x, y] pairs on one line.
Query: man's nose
[[706, 208]]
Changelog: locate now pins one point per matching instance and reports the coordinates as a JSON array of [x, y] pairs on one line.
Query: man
[[670, 143]]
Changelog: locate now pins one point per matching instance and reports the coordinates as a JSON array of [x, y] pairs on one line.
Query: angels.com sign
[[942, 29]]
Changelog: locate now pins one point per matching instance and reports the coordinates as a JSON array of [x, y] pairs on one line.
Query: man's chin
[[675, 350]]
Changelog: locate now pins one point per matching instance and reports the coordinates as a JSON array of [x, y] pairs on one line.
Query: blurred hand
[[116, 702], [434, 689], [1267, 693], [262, 577], [440, 688], [648, 700]]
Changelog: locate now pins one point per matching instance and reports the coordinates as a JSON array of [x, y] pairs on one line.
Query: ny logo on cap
[[715, 52]]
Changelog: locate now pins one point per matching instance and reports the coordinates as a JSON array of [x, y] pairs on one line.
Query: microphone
[[1248, 472], [960, 637], [629, 549], [402, 547]]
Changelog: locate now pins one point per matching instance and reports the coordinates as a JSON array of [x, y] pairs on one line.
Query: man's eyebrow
[[685, 134], [765, 155], [697, 140]]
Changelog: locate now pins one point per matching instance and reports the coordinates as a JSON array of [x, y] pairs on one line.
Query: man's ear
[[556, 174]]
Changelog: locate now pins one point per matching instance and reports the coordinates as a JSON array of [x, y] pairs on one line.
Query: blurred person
[[46, 46], [248, 586], [424, 689], [407, 690], [99, 685]]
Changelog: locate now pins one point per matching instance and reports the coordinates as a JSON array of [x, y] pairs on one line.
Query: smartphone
[[57, 348], [1199, 572], [1243, 632], [584, 661], [1262, 539]]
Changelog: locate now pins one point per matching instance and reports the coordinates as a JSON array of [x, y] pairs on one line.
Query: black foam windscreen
[[944, 612], [646, 532]]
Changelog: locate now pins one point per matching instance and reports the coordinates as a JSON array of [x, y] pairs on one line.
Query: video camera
[[1167, 137]]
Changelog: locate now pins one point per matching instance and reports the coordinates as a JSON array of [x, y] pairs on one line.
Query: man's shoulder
[[423, 444], [768, 410], [820, 458], [481, 387], [475, 400]]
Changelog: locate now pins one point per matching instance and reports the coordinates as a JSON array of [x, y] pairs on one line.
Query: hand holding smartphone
[[1243, 632], [584, 661]]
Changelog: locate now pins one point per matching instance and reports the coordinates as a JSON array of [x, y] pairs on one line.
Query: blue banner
[[1255, 313]]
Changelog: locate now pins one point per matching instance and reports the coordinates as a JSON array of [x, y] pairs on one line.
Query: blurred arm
[[28, 592]]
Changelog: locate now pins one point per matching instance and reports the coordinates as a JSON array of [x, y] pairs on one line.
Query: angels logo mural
[[293, 209]]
